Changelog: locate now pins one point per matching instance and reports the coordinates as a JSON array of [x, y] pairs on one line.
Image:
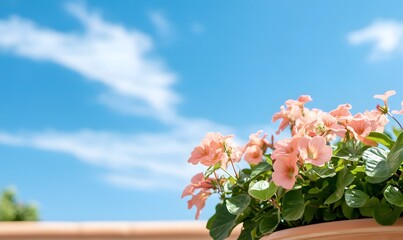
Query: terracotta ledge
[[106, 230], [366, 229]]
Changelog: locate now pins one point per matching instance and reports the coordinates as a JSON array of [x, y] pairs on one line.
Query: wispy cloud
[[104, 52], [135, 83], [386, 37], [131, 160], [161, 23]]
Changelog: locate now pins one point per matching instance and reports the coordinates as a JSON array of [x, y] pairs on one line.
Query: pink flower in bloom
[[285, 172], [398, 111], [385, 96], [255, 148], [199, 201], [234, 151], [198, 182], [342, 113], [378, 120], [255, 139], [300, 102], [331, 125], [211, 150], [286, 149], [295, 109], [314, 150], [253, 154], [360, 127], [281, 115]]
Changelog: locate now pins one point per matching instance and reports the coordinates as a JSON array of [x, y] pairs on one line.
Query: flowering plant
[[334, 166]]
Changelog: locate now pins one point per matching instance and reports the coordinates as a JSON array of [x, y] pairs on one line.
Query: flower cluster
[[327, 155]]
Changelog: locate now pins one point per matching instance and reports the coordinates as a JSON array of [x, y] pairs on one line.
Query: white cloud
[[120, 59], [107, 53], [161, 23], [132, 160], [385, 35]]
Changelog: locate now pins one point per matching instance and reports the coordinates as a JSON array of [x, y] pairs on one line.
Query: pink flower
[[385, 96], [253, 154], [211, 150], [294, 110], [285, 172], [199, 201], [315, 151], [398, 111], [378, 120], [286, 149], [331, 125], [360, 127], [300, 102], [281, 115], [342, 113], [255, 139], [198, 182]]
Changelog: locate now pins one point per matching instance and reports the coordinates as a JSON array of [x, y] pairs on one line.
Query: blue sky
[[103, 101]]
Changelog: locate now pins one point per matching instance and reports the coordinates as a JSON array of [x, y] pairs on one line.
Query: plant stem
[[395, 120], [227, 172], [218, 182], [233, 167], [274, 203]]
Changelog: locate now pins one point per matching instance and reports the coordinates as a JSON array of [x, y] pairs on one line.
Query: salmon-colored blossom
[[378, 120], [295, 109], [256, 139], [384, 97], [314, 150], [286, 149], [215, 148], [198, 200], [342, 113], [300, 102], [360, 127], [285, 172], [198, 182], [253, 154], [398, 111]]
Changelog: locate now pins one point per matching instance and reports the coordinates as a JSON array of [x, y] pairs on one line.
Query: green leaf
[[385, 215], [368, 209], [328, 215], [348, 212], [375, 162], [262, 190], [310, 209], [381, 169], [395, 157], [381, 138], [223, 223], [270, 221], [210, 221], [396, 131], [347, 153], [237, 204], [248, 231], [324, 172], [293, 205], [344, 178], [393, 195], [355, 198], [259, 169], [211, 169]]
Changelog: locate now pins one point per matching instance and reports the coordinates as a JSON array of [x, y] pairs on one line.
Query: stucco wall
[[104, 230]]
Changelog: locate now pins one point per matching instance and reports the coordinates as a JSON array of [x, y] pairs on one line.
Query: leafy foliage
[[12, 210], [306, 179]]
